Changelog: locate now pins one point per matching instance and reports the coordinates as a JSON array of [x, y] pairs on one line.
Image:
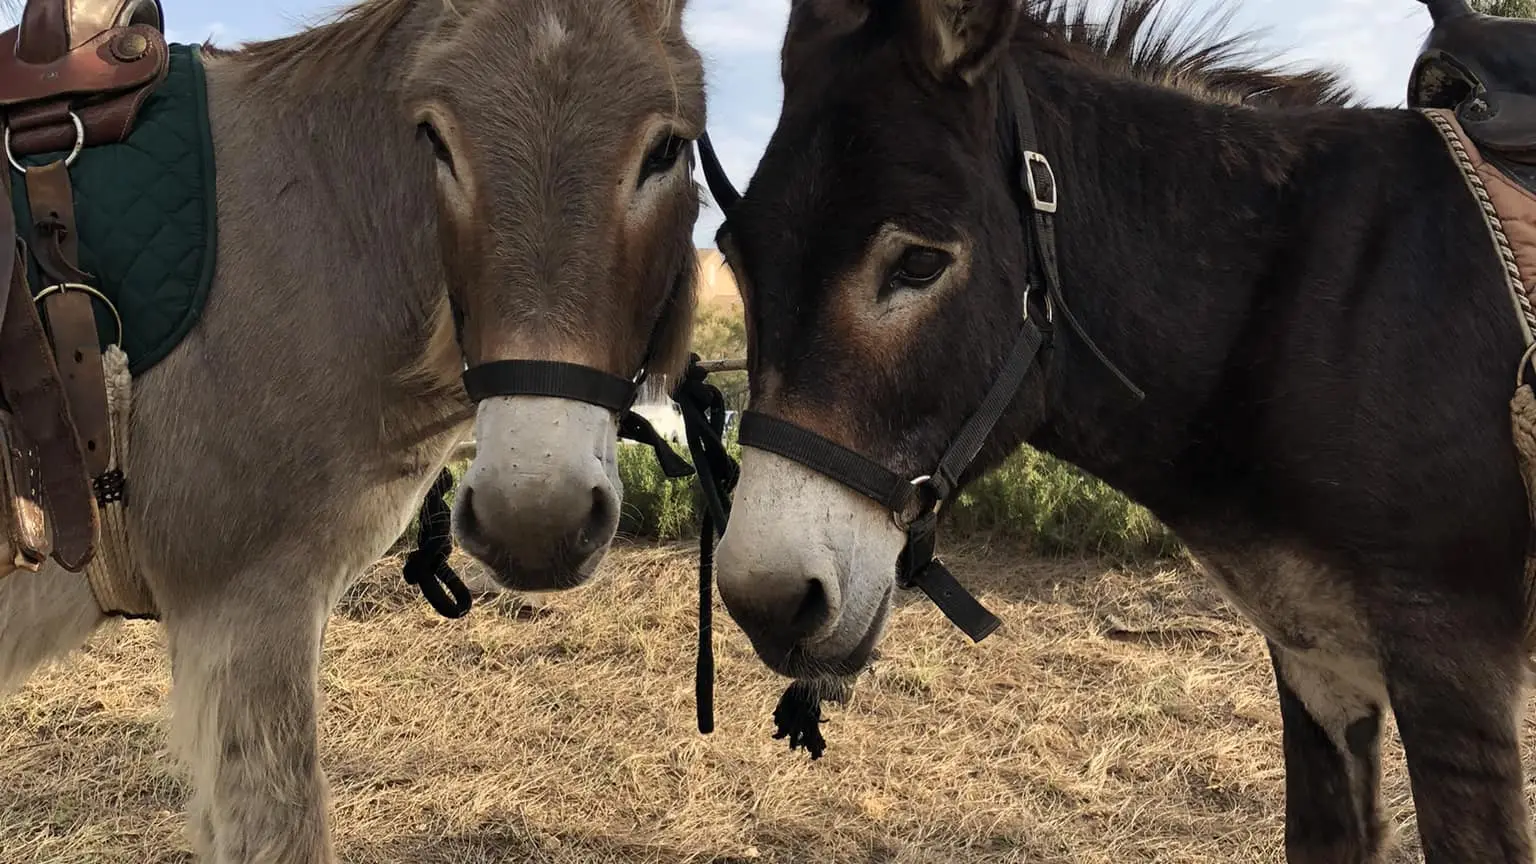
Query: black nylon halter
[[580, 384], [914, 502], [427, 567]]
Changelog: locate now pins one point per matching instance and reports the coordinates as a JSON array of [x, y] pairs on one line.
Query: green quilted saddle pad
[[145, 209]]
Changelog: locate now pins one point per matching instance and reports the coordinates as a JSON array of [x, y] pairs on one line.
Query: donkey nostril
[[813, 611], [469, 525], [599, 524]]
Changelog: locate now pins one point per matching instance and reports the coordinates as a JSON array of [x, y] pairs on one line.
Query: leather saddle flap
[[114, 61]]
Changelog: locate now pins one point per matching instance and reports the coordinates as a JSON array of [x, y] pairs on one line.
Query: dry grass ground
[[1120, 716]]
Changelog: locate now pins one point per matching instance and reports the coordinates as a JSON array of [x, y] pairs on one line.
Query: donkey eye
[[918, 266], [662, 157], [428, 132]]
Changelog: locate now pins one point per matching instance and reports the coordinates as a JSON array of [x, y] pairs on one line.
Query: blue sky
[[1372, 41]]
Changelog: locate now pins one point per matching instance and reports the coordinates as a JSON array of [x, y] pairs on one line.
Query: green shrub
[[656, 507], [1057, 509], [1035, 499], [1506, 8]]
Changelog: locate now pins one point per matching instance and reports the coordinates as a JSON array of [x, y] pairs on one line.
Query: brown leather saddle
[[73, 75], [1483, 68]]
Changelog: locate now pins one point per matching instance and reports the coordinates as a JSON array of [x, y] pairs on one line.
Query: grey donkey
[[413, 186]]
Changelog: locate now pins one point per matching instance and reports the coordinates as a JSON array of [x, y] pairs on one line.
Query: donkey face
[[878, 248], [565, 208]]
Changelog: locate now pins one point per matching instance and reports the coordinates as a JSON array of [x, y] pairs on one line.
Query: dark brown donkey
[[1317, 349]]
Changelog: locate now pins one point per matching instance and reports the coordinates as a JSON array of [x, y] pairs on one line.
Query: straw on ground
[[1121, 715]]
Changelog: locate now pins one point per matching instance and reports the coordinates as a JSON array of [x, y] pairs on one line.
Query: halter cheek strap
[[913, 503]]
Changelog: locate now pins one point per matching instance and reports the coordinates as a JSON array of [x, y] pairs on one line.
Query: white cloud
[[739, 40], [1374, 42], [724, 27]]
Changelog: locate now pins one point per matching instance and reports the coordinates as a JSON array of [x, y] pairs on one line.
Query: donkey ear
[[963, 38]]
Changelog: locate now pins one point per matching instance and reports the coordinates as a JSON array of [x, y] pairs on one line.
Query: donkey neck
[[341, 206], [1175, 219]]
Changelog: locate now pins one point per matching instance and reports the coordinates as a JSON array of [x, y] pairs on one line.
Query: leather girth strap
[[34, 391], [70, 316]]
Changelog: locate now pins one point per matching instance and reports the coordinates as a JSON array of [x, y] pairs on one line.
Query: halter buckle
[[1043, 203]]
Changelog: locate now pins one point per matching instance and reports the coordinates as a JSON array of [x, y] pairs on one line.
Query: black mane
[[1139, 39]]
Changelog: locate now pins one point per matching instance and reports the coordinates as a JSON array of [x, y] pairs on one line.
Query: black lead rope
[[427, 566], [703, 407]]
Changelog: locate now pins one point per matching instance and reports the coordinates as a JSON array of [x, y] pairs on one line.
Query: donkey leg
[[1457, 696], [1331, 729], [245, 665]]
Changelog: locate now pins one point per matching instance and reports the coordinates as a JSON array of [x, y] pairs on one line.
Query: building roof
[[717, 287]]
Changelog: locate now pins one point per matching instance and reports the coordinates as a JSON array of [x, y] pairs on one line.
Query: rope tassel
[[798, 715], [116, 581], [798, 718]]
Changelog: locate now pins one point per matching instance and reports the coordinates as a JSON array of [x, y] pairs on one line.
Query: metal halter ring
[[62, 287], [68, 160], [917, 504], [1050, 305]]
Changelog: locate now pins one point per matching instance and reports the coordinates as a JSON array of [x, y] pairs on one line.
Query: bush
[[1035, 499], [1057, 509], [721, 334], [1506, 8]]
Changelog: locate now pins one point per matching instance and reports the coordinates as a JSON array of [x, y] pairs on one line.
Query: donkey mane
[[1140, 39], [329, 50]]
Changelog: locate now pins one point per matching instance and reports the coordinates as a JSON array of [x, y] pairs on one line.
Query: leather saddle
[[1483, 68], [73, 74]]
